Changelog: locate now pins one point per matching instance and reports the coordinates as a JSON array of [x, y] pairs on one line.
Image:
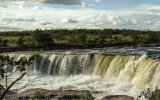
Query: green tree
[[20, 42], [0, 41], [82, 38], [5, 43], [102, 38], [73, 40], [29, 42], [117, 39], [21, 64], [136, 39], [94, 40], [61, 38], [153, 38], [42, 39]]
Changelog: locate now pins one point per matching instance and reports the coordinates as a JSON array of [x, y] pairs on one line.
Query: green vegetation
[[149, 95], [44, 38], [86, 97], [7, 63], [39, 96], [20, 42], [41, 38]]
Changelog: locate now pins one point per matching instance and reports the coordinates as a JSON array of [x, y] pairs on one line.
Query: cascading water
[[135, 68], [108, 73]]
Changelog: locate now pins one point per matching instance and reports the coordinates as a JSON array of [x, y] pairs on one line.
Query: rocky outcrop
[[117, 97], [53, 94]]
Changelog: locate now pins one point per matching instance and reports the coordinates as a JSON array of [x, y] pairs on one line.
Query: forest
[[79, 37]]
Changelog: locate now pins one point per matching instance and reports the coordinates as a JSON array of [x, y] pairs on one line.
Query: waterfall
[[140, 70]]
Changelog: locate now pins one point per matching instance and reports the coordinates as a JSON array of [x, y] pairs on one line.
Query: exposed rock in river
[[53, 94], [44, 94], [117, 97]]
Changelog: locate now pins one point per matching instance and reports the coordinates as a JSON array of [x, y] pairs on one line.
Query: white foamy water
[[78, 82], [110, 72]]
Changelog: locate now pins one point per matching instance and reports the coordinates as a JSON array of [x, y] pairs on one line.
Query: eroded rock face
[[117, 97], [54, 94]]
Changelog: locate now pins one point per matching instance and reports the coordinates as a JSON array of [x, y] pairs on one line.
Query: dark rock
[[156, 95], [97, 92], [54, 94], [156, 92], [117, 97]]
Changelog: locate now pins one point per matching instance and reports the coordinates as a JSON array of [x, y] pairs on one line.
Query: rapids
[[110, 71]]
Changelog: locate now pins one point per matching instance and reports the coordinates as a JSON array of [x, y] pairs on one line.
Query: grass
[[85, 97], [39, 96], [70, 39], [9, 37]]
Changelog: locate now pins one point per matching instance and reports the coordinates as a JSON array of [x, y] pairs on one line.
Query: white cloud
[[25, 19], [42, 16], [149, 9], [65, 2], [68, 20], [10, 28], [4, 6], [18, 19], [99, 0], [114, 20], [133, 21], [84, 5], [45, 23]]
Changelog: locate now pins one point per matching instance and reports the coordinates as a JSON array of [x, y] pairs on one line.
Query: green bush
[[86, 97], [39, 95]]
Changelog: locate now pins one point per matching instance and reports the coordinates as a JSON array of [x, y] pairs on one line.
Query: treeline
[[44, 38], [16, 33], [75, 31]]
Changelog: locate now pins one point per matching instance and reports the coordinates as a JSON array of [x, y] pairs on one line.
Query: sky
[[20, 15]]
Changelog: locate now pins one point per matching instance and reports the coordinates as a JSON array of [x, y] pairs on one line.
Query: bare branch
[[8, 88]]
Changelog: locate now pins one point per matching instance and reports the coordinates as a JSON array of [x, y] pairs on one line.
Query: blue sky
[[91, 14]]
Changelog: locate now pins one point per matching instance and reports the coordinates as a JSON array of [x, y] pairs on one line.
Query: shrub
[[39, 95], [86, 97]]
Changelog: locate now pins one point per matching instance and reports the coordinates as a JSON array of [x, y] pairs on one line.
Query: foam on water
[[78, 82], [125, 71]]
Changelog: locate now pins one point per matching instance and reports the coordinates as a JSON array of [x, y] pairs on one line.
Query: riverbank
[[44, 94], [72, 47]]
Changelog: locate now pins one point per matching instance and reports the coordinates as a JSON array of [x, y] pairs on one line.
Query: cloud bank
[[65, 2], [43, 14]]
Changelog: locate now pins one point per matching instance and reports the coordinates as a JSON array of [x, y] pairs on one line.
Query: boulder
[[53, 94], [117, 97]]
